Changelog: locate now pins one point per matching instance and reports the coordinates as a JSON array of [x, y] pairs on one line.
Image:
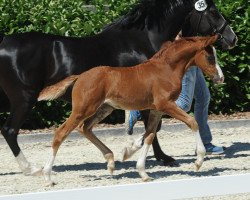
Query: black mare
[[31, 61]]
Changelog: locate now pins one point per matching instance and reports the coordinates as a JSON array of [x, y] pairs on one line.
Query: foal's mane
[[175, 44], [148, 13]]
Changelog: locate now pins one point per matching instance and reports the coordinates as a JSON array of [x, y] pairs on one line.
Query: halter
[[203, 12], [216, 30]]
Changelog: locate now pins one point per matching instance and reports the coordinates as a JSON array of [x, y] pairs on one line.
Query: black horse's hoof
[[167, 160], [171, 163]]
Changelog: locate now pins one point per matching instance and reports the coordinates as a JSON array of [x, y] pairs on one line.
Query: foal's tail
[[58, 89]]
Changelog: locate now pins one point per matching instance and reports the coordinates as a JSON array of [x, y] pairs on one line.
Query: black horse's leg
[[4, 102], [158, 153], [20, 107]]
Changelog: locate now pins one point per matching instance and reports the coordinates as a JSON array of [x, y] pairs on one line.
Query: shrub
[[234, 94]]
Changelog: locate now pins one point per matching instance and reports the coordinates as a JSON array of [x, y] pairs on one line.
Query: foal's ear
[[210, 40]]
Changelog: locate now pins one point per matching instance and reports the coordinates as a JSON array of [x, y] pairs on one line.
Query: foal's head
[[206, 59], [195, 51]]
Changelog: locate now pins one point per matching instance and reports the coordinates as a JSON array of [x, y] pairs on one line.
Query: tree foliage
[[234, 94]]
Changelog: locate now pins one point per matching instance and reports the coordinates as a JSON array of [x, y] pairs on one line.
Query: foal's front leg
[[134, 145], [154, 118], [173, 110]]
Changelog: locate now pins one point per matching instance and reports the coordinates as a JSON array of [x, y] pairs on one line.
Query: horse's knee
[[192, 124], [60, 136], [10, 136]]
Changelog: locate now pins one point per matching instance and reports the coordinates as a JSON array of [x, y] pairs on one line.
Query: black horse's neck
[[161, 20]]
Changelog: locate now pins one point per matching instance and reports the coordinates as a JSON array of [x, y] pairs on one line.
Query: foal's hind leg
[[133, 145], [173, 110], [154, 118], [86, 130]]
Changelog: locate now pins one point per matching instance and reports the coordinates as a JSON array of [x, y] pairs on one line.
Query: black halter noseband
[[214, 29]]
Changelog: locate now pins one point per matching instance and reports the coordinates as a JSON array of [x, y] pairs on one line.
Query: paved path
[[80, 164], [214, 124]]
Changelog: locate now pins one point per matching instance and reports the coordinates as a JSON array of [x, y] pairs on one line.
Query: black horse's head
[[205, 19], [165, 18]]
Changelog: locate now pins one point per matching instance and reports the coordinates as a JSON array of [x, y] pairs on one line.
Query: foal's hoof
[[111, 163], [37, 172], [33, 171], [147, 179], [111, 167], [197, 166], [144, 176], [50, 184]]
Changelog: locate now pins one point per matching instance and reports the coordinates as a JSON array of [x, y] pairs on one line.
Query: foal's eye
[[211, 59]]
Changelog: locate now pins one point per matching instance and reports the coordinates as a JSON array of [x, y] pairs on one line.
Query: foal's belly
[[130, 104]]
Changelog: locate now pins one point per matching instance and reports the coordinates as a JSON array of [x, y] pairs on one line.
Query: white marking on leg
[[48, 169], [132, 147], [126, 121], [141, 163], [26, 167], [139, 142], [110, 162], [23, 163], [200, 150]]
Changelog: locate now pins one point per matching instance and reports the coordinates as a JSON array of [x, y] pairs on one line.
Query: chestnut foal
[[154, 84]]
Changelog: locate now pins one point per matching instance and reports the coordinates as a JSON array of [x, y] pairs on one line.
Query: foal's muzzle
[[218, 79]]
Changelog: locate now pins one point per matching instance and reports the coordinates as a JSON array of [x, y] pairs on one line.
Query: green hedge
[[75, 18], [234, 94]]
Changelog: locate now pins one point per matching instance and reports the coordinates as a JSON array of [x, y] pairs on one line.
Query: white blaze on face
[[220, 73]]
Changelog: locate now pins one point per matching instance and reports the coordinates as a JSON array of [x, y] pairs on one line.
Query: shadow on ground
[[231, 152]]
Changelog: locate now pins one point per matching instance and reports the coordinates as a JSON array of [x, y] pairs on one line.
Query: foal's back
[[126, 88]]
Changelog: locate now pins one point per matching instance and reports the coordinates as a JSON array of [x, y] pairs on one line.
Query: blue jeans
[[194, 87]]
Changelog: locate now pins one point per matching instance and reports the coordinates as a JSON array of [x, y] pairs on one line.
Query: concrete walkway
[[214, 124]]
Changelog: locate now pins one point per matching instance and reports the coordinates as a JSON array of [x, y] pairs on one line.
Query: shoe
[[214, 150], [134, 116]]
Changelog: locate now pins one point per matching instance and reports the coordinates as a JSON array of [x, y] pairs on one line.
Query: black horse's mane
[[148, 13]]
